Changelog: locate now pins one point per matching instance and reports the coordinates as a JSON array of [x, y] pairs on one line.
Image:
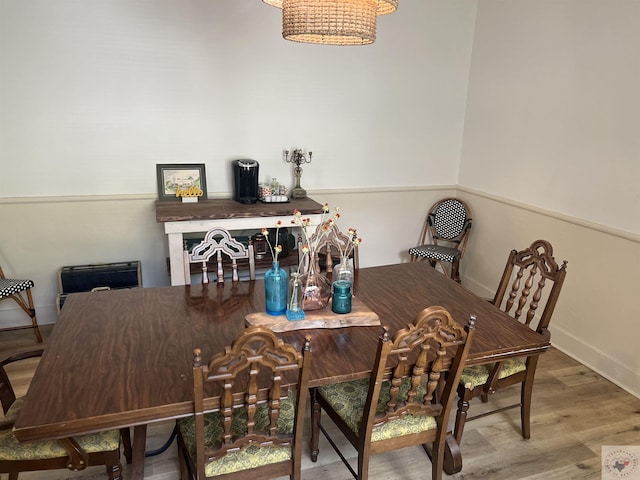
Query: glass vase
[[317, 290], [343, 271], [295, 297], [275, 290]]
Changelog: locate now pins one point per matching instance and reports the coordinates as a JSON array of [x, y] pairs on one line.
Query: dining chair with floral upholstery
[[408, 398], [250, 403], [530, 286], [76, 453]]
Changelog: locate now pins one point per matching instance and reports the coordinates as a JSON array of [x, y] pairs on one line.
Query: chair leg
[[114, 472], [455, 273], [32, 314], [113, 465], [315, 425], [182, 453], [461, 416], [363, 465], [125, 436], [30, 310], [437, 460]]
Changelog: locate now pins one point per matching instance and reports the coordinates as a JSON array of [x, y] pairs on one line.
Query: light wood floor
[[575, 412]]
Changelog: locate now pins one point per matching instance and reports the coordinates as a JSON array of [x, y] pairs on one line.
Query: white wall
[[551, 150], [95, 93], [596, 318], [552, 113]]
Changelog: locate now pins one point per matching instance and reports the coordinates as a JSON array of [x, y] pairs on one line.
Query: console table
[[180, 218]]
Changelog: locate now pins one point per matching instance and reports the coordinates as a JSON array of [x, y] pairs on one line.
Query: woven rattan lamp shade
[[384, 6], [330, 22]]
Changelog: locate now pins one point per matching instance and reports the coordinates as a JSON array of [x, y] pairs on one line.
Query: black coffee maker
[[245, 181]]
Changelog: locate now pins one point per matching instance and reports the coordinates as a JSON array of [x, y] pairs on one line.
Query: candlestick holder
[[298, 158]]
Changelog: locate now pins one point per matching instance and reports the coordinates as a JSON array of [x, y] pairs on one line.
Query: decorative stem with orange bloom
[[314, 235], [354, 240], [277, 248]]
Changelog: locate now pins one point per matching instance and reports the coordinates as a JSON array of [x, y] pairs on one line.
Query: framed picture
[[181, 181]]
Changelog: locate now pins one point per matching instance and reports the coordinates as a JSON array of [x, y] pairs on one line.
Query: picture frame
[[181, 181]]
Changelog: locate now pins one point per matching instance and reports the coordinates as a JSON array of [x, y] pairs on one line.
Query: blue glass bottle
[[275, 290]]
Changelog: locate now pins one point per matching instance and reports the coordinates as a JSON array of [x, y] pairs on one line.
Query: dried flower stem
[[275, 250]]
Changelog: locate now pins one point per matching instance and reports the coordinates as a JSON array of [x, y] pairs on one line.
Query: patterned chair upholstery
[[253, 426], [444, 236], [14, 289], [250, 457], [77, 453], [478, 375], [403, 403], [347, 399], [521, 293]]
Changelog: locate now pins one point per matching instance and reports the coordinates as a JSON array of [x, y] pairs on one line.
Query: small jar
[[341, 296], [259, 246]]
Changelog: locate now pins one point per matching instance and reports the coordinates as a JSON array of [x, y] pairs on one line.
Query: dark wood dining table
[[123, 358]]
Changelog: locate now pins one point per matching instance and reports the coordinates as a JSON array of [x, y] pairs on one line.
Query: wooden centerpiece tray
[[360, 316]]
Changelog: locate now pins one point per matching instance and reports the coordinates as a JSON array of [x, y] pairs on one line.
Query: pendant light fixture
[[332, 22]]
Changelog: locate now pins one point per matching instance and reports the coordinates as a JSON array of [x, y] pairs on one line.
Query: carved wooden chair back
[[77, 453], [332, 245], [444, 235], [408, 399], [250, 405], [531, 279], [528, 291], [14, 289], [218, 244]]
